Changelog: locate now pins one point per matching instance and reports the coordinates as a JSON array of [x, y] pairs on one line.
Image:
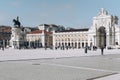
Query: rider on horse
[[17, 22]]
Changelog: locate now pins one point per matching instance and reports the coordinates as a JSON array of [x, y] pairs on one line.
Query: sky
[[69, 13]]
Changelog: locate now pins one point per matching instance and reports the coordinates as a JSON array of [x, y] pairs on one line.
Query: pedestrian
[[86, 49], [102, 50]]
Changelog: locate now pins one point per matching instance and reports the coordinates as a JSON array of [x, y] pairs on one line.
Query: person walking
[[102, 50], [86, 49]]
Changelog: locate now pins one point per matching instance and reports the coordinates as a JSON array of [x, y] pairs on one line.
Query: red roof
[[46, 32], [39, 32], [5, 29], [8, 29], [36, 32]]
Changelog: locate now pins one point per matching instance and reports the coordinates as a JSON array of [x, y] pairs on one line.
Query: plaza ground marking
[[85, 68]]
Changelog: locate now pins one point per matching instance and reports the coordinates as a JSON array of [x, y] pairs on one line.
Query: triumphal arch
[[104, 30]]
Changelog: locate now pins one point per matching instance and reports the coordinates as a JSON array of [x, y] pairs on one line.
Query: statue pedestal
[[15, 37]]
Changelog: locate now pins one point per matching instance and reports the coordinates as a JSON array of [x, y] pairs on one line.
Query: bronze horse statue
[[17, 22]]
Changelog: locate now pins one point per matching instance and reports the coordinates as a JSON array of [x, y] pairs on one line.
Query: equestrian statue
[[17, 22]]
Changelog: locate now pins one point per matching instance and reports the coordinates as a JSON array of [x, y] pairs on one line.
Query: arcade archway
[[101, 37]]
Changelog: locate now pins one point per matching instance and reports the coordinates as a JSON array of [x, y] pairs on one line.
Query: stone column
[[97, 41]]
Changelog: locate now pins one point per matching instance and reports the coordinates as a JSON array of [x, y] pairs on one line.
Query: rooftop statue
[[103, 12], [17, 22]]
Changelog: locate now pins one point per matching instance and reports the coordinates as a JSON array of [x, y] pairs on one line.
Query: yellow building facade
[[76, 38]]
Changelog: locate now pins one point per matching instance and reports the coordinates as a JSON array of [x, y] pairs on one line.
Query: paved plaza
[[74, 64]]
